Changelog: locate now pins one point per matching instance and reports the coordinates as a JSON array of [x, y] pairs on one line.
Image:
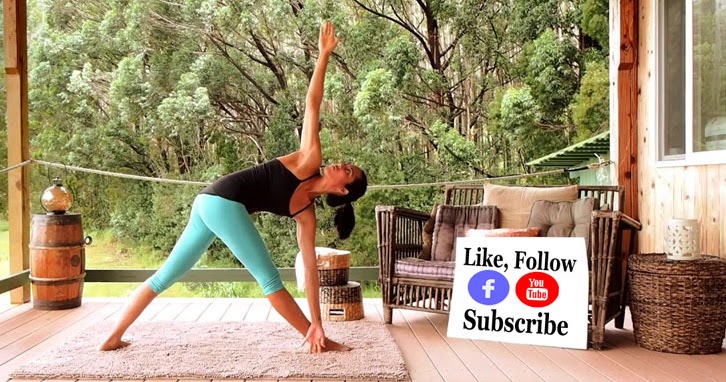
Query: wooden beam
[[16, 70], [628, 106]]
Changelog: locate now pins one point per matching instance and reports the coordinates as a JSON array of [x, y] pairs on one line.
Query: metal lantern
[[56, 199]]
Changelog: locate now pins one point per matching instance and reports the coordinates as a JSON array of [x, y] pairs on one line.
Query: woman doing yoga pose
[[285, 186]]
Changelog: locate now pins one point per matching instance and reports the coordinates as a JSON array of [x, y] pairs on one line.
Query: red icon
[[537, 289]]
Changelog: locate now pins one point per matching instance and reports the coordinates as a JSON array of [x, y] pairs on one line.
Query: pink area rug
[[236, 350]]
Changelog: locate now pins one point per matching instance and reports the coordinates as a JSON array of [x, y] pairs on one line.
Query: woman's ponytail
[[344, 218]]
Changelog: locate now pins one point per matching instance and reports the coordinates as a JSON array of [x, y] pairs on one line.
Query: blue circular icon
[[488, 287]]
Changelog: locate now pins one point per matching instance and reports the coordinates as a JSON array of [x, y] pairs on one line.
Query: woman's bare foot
[[113, 344], [331, 345]]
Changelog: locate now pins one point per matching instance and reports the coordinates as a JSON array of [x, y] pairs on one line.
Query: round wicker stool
[[341, 302], [678, 306]]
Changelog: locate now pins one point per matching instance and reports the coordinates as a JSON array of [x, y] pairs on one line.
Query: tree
[[591, 107]]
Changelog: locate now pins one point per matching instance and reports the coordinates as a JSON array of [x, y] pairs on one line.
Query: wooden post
[[627, 103], [16, 71], [628, 106]]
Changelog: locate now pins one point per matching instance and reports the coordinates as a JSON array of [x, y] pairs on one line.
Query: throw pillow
[[515, 203], [453, 221], [426, 232], [563, 219]]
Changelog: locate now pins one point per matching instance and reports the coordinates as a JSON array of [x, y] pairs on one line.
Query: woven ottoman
[[678, 306], [341, 302]]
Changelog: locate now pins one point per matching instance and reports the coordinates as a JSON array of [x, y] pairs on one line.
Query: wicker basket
[[331, 277], [341, 302], [333, 266], [678, 306]]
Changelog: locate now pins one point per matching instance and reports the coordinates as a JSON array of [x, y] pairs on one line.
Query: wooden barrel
[[341, 302], [57, 261]]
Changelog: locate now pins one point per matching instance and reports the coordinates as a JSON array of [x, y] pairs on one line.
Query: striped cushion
[[453, 221], [413, 267]]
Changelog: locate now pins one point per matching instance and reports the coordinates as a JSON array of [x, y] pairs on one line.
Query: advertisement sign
[[525, 290]]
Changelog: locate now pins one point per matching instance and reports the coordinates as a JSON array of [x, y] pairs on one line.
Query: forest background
[[417, 91]]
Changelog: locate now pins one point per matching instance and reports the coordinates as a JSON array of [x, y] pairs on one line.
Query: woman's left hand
[[316, 338], [327, 41]]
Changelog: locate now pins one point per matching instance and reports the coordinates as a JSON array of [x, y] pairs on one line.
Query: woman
[[285, 186]]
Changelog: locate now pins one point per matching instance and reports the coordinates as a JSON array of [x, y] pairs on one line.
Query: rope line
[[13, 167], [599, 164], [121, 175], [476, 181]]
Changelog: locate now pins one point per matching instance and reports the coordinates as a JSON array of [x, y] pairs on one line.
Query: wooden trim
[[14, 281], [628, 105], [194, 275], [16, 69], [10, 28], [212, 275]]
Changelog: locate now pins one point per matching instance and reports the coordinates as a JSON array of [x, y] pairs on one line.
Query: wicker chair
[[612, 239]]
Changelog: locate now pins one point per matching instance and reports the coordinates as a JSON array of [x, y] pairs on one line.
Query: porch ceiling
[[575, 154]]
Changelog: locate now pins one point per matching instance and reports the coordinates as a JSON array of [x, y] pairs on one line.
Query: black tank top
[[264, 187]]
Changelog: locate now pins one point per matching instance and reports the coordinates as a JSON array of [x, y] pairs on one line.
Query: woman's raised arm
[[310, 140]]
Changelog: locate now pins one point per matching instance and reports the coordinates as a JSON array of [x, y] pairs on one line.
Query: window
[[692, 80]]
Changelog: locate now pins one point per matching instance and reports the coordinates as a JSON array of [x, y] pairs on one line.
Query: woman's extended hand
[[327, 41], [316, 338]]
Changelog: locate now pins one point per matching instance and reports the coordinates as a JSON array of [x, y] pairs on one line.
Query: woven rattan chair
[[612, 239]]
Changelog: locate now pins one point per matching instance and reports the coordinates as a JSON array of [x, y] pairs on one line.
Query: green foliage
[[279, 236], [595, 20], [518, 121], [519, 112], [458, 148], [401, 57], [370, 289], [531, 18], [552, 74], [128, 89], [708, 85], [4, 250], [375, 99], [281, 134], [591, 107]]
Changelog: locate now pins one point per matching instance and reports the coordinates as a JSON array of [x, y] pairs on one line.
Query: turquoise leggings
[[213, 216]]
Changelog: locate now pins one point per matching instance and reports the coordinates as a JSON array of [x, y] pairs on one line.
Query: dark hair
[[344, 215]]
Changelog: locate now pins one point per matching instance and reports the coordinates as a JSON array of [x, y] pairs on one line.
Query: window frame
[[690, 157]]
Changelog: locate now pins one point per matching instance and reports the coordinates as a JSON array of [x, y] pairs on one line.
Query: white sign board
[[525, 290]]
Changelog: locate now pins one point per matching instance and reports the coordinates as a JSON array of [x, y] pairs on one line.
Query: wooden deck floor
[[429, 354]]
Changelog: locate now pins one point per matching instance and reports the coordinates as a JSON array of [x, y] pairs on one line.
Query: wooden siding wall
[[693, 192]]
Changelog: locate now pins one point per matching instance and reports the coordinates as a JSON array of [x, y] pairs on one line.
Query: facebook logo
[[488, 287]]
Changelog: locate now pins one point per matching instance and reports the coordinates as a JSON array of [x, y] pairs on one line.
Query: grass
[[107, 252], [4, 249]]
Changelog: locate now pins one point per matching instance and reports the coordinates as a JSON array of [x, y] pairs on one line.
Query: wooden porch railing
[[195, 275]]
